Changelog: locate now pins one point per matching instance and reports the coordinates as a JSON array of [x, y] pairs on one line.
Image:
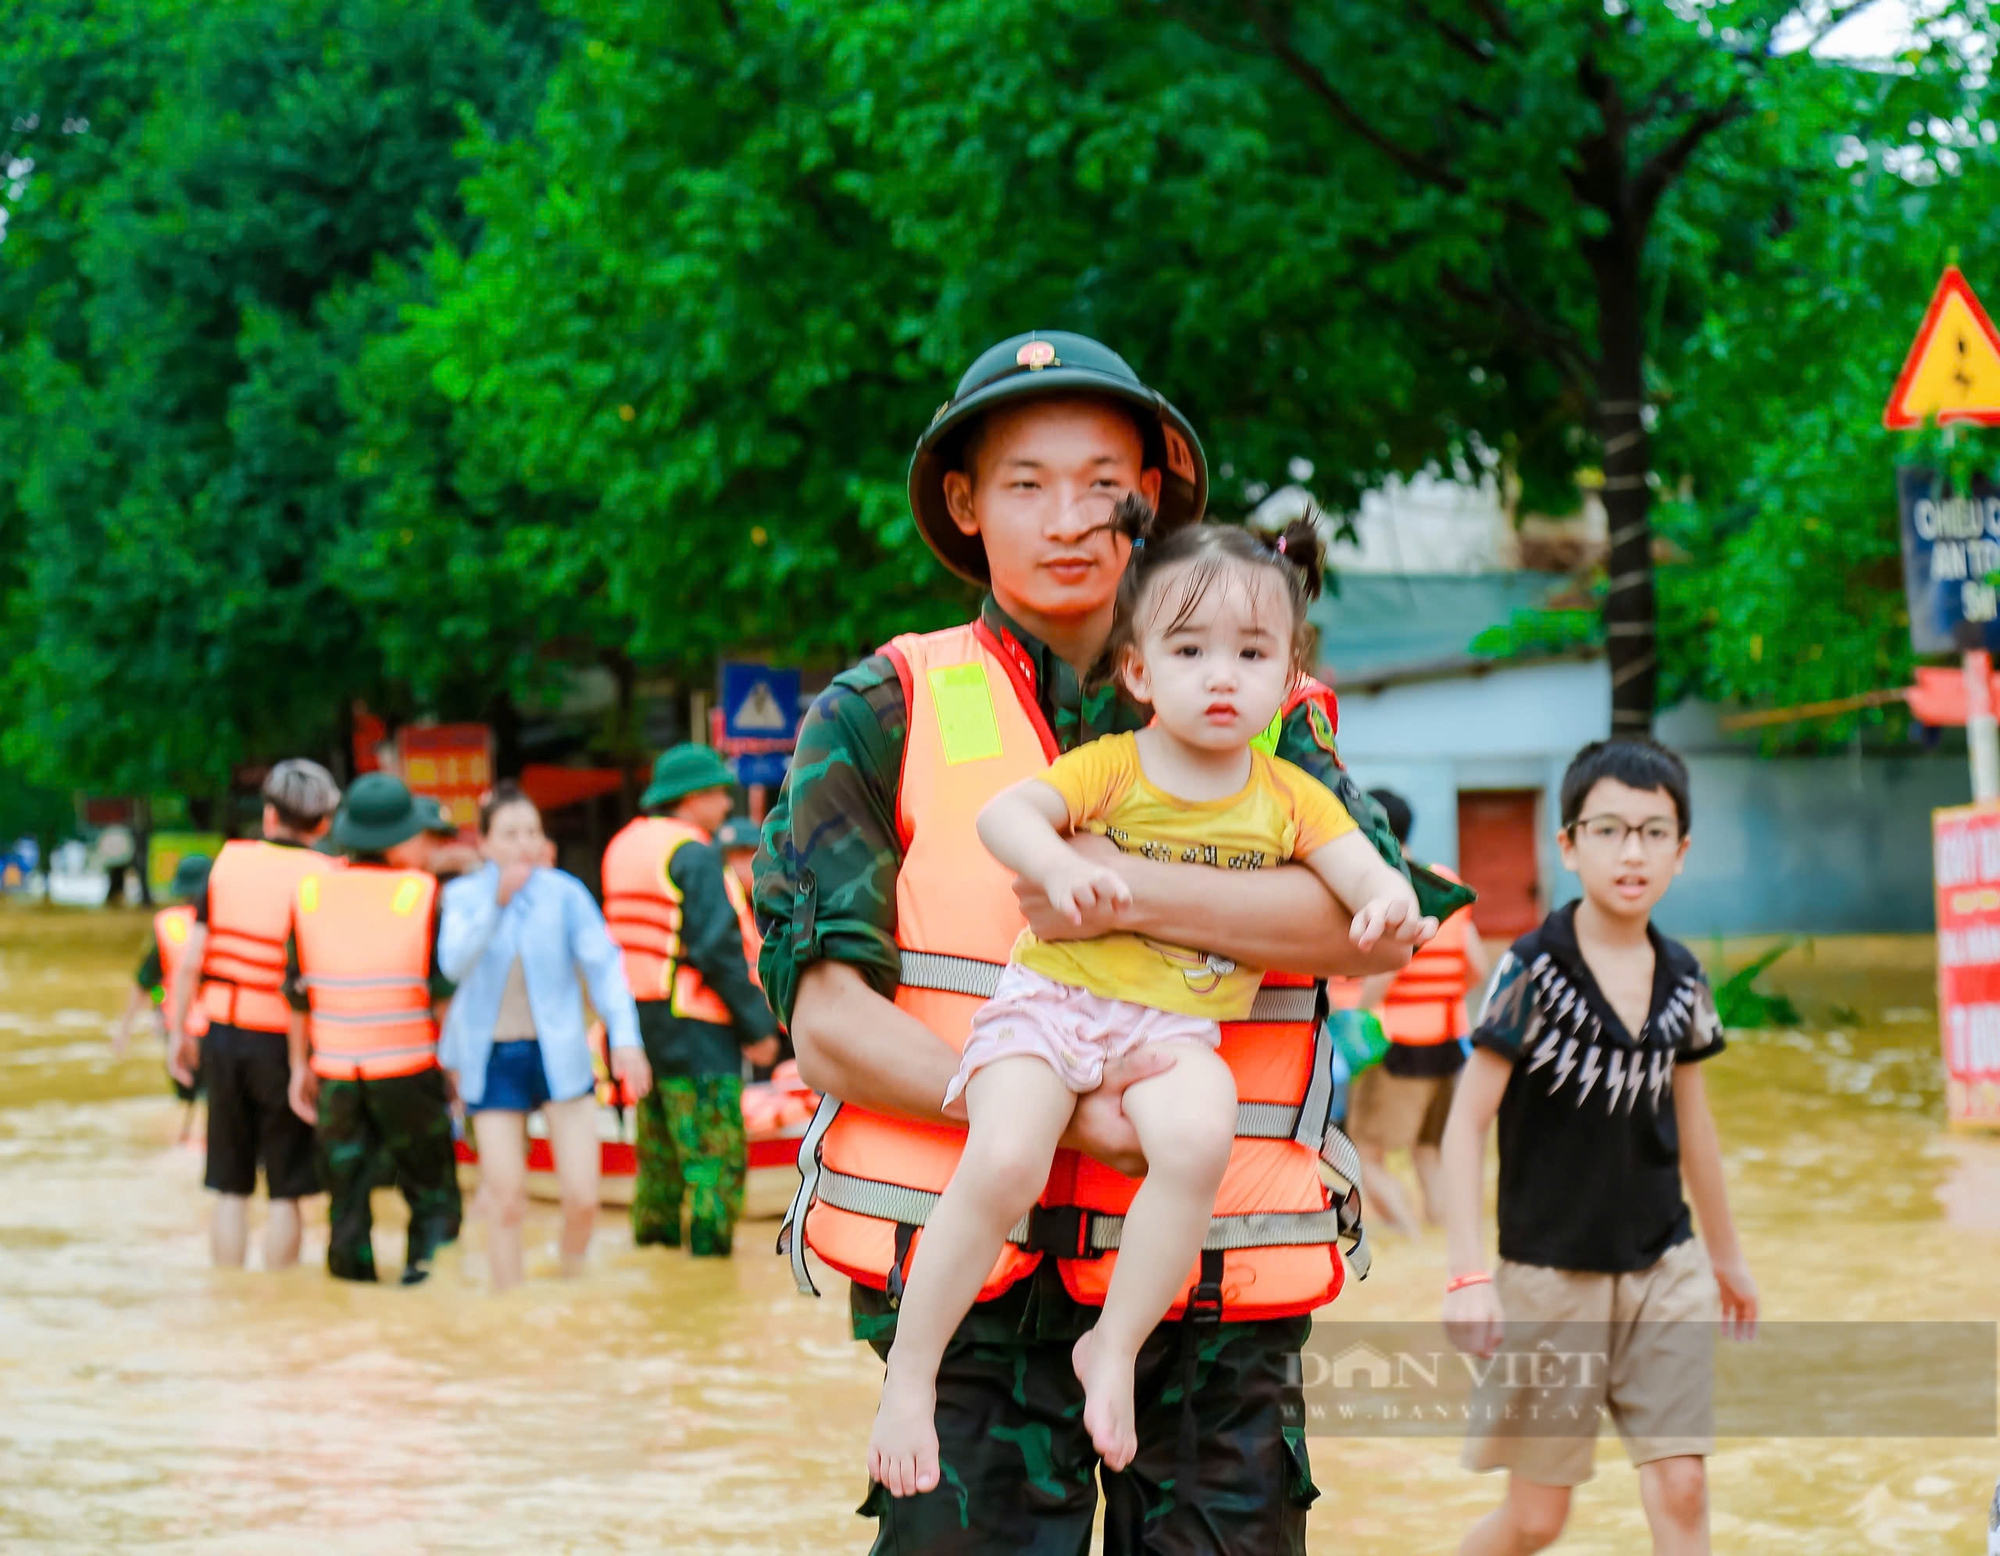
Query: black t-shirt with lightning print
[[1590, 1165]]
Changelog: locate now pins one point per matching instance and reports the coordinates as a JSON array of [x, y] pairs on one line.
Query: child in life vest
[[1209, 636]]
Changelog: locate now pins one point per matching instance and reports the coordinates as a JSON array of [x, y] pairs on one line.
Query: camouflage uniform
[[691, 1144], [1017, 1463], [691, 1147], [406, 1120]]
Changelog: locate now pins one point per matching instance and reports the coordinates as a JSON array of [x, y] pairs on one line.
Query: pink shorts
[[1071, 1030]]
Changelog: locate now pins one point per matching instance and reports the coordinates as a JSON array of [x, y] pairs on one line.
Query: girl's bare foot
[[903, 1448], [1106, 1376]]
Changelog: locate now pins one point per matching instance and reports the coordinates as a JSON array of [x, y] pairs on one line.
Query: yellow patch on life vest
[[177, 930], [405, 901], [1267, 741], [968, 728], [309, 894]]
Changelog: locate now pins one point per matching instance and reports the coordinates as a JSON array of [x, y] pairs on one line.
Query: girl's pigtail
[[1134, 518], [1302, 550]]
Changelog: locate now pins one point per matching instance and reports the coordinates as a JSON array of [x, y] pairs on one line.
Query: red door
[[1499, 854]]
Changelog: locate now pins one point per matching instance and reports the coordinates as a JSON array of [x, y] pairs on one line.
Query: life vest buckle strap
[[906, 1236], [1060, 1230], [1204, 1303]]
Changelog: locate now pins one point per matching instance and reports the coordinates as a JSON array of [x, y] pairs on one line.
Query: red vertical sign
[[451, 761], [1966, 842]]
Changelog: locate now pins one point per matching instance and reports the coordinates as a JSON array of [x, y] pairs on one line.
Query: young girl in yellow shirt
[[1210, 636]]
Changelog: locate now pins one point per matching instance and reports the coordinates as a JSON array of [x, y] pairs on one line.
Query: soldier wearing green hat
[[1012, 486], [679, 917], [363, 983]]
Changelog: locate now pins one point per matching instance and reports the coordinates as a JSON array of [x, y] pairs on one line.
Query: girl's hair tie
[[1280, 546]]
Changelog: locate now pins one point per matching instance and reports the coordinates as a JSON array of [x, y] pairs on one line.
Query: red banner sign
[[1966, 841], [454, 762]]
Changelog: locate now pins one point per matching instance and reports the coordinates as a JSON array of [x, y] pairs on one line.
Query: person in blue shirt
[[516, 936]]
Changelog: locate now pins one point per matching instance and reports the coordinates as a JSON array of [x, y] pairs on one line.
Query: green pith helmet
[[683, 770], [190, 877], [1043, 363], [378, 814], [737, 835]]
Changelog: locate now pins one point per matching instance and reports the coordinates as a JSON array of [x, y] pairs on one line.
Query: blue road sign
[[760, 702], [1951, 562], [768, 770]]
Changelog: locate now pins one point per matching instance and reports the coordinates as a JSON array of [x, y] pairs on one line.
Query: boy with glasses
[[1587, 1052]]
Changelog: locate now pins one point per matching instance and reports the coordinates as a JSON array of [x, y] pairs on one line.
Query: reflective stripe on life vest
[[250, 894], [868, 1180], [364, 944], [171, 929], [1425, 1006], [642, 909]]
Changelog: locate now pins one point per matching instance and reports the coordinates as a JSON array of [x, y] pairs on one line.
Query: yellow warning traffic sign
[[1952, 373]]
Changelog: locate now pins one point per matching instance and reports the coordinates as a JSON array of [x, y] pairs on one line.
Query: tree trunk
[[1628, 498], [503, 717]]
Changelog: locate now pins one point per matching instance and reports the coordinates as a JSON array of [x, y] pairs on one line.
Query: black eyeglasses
[[1655, 835]]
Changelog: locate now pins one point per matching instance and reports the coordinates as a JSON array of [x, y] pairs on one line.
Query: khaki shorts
[[1399, 1112], [1638, 1347]]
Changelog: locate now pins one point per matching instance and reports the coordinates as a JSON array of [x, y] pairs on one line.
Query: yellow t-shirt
[[1282, 813]]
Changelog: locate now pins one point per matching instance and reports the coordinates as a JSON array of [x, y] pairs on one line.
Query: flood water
[[659, 1404]]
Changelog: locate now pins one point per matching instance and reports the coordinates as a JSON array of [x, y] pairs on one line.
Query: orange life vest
[[1425, 1006], [171, 928], [642, 908], [364, 939], [869, 1179], [250, 895], [746, 920]]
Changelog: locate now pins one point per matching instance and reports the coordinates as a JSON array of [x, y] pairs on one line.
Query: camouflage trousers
[[1221, 1465], [691, 1149], [402, 1121]]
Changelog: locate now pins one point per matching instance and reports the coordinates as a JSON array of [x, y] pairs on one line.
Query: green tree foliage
[[1782, 500], [747, 249], [355, 349], [179, 361], [1611, 176]]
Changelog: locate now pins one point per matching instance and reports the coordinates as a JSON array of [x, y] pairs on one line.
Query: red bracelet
[[1460, 1282]]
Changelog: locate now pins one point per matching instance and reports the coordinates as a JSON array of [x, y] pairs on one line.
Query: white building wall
[[1812, 845]]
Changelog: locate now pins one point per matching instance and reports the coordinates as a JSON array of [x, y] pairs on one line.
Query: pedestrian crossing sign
[[760, 703]]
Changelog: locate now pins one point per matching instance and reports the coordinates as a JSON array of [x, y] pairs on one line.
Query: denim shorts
[[515, 1080]]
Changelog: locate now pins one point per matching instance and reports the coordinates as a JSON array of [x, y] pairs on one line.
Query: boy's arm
[[1472, 1314], [1701, 1170], [1475, 1102]]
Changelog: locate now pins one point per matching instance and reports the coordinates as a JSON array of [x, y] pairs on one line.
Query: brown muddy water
[[661, 1405]]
